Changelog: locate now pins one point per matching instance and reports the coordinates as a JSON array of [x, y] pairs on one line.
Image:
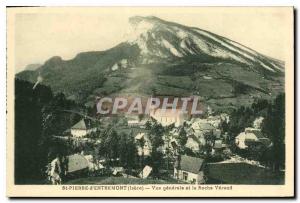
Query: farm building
[[251, 135], [189, 169]]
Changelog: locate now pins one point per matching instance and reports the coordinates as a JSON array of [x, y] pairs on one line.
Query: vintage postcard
[[150, 102]]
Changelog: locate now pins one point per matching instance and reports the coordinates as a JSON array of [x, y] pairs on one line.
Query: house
[[123, 63], [218, 146], [82, 128], [201, 129], [193, 143], [118, 171], [251, 135], [134, 120], [93, 164], [202, 126], [217, 133], [189, 169], [214, 121], [77, 163], [143, 144], [169, 116], [133, 123], [174, 132], [224, 117], [145, 172]]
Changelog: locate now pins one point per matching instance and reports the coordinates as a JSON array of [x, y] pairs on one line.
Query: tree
[[182, 137], [156, 162], [141, 144], [156, 132], [209, 142], [274, 128], [127, 151], [167, 135], [54, 123], [30, 158], [110, 146]]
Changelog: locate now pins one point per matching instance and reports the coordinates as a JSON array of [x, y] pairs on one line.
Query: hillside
[[166, 58]]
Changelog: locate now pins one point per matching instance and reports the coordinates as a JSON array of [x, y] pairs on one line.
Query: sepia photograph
[[150, 101]]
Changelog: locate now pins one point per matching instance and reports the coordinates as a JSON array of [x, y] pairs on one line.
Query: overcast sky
[[41, 33]]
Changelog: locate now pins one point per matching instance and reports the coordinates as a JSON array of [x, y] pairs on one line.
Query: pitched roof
[[195, 138], [202, 126], [217, 133], [247, 136], [218, 144], [77, 162], [253, 134], [83, 124], [206, 126], [139, 136], [190, 164], [266, 141], [146, 171]]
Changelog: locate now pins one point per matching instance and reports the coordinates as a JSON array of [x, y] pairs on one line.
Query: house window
[[194, 180], [185, 176]]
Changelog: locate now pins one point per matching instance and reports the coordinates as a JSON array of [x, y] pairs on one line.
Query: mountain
[[165, 58], [161, 39], [33, 66]]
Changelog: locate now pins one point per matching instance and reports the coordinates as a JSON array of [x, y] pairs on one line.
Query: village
[[164, 147]]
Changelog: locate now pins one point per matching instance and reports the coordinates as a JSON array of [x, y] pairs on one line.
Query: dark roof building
[[189, 164]]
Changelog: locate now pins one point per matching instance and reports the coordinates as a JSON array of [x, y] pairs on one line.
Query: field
[[242, 173]]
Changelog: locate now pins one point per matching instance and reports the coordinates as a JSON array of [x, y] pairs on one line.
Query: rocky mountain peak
[[157, 38]]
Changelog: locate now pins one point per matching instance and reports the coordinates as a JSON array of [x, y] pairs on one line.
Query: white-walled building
[[143, 144], [193, 143], [169, 116], [201, 128], [251, 135], [190, 169]]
